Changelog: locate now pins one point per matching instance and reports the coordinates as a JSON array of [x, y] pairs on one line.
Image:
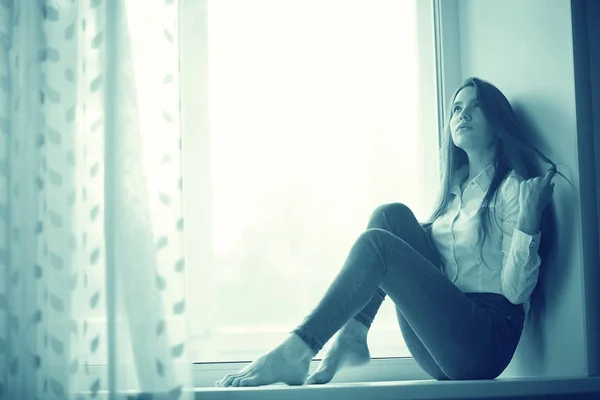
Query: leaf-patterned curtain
[[92, 295]]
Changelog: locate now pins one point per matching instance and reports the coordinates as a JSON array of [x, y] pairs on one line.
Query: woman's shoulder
[[513, 177], [510, 186]]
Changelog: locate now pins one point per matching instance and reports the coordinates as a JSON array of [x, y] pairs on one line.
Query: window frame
[[194, 57]]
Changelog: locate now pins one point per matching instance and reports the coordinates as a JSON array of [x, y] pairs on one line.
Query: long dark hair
[[514, 151]]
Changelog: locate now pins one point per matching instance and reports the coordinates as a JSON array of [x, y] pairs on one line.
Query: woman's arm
[[520, 243], [528, 223]]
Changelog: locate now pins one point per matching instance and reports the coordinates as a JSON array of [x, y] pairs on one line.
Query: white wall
[[525, 48]]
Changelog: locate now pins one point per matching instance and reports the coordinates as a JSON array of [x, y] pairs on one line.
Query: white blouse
[[508, 263]]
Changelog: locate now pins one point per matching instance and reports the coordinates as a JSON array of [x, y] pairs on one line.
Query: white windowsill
[[387, 379], [378, 370], [412, 390]]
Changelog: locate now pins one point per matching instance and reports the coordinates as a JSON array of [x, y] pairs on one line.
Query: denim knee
[[390, 211]]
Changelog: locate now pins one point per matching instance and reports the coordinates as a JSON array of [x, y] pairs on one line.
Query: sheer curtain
[[92, 295]]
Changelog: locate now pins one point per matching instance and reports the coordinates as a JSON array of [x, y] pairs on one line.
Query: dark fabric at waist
[[499, 304]]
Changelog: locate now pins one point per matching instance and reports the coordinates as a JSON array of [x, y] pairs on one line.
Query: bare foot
[[288, 363], [348, 349]]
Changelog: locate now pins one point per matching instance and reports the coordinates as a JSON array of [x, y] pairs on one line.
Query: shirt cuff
[[527, 245]]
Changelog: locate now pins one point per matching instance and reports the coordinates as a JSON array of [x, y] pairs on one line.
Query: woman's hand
[[534, 196]]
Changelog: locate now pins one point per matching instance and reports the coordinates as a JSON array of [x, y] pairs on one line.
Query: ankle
[[294, 348], [355, 328]]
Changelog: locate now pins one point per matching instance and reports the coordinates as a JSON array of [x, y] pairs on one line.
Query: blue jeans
[[450, 334]]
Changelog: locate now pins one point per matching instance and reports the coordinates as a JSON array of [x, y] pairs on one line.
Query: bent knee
[[396, 211], [373, 235], [377, 240]]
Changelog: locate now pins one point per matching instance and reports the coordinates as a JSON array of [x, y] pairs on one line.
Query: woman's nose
[[463, 115]]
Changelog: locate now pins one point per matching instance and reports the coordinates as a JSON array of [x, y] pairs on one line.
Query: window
[[298, 118]]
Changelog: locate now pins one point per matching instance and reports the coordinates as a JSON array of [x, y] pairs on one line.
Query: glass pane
[[313, 111]]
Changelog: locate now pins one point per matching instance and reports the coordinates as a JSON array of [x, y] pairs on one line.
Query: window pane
[[313, 111]]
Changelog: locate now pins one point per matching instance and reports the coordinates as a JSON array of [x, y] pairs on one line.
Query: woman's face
[[469, 128]]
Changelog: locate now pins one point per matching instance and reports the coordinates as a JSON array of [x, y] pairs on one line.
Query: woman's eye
[[456, 109]]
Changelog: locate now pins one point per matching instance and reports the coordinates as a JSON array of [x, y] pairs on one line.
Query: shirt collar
[[483, 179]]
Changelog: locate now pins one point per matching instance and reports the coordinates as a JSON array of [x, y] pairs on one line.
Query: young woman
[[461, 282]]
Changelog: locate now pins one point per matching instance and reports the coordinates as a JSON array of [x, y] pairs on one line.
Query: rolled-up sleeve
[[520, 267]]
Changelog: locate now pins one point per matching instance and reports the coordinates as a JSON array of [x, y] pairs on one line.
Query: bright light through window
[[313, 122]]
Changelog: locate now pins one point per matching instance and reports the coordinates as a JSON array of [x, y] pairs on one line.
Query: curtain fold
[[90, 200]]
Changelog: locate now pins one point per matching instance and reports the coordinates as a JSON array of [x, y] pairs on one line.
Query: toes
[[242, 377], [319, 378], [227, 381], [221, 381], [248, 382], [230, 381]]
